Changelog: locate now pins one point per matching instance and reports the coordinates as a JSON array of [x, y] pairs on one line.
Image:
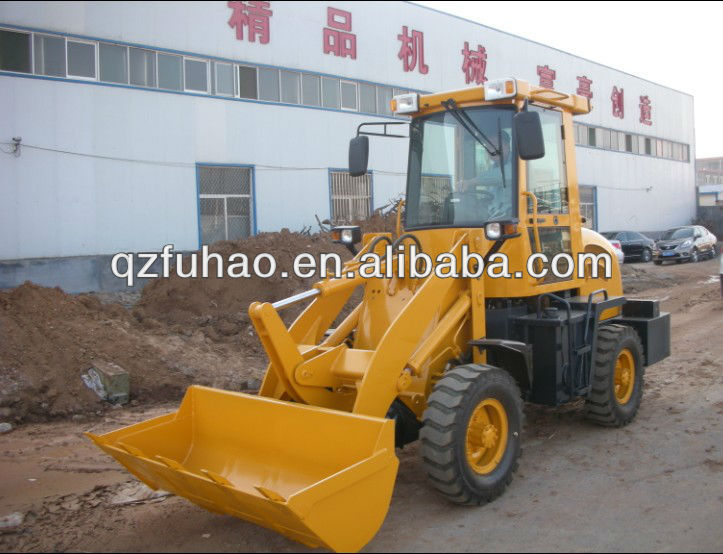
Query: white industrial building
[[126, 126]]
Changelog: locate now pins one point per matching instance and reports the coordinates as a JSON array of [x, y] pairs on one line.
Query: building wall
[[57, 204]]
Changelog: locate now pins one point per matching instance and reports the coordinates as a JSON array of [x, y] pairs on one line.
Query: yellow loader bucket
[[320, 477]]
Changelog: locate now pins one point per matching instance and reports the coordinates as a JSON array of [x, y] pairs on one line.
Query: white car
[[618, 250]]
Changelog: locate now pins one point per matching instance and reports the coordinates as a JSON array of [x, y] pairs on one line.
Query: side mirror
[[358, 155], [528, 135]]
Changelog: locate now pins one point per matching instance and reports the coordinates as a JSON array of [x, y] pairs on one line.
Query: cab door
[[549, 179]]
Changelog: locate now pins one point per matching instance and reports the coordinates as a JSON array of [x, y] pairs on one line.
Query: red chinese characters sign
[[338, 38], [618, 102], [411, 52], [255, 16], [474, 64], [547, 76], [583, 87], [646, 116]]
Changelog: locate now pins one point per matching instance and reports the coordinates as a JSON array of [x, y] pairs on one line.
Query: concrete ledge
[[72, 274]]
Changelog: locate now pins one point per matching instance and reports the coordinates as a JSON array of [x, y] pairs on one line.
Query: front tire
[[647, 255], [617, 379], [694, 256], [471, 433]]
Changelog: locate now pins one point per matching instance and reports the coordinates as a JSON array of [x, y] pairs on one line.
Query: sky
[[677, 44]]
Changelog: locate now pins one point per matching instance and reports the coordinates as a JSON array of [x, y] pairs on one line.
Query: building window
[[384, 99], [546, 177], [269, 84], [224, 79], [591, 136], [50, 55], [290, 83], [143, 67], [170, 72], [81, 59], [15, 51], [587, 205], [367, 98], [628, 143], [113, 63], [247, 86], [310, 90], [330, 92], [196, 75], [225, 203], [348, 95], [351, 197], [648, 149]]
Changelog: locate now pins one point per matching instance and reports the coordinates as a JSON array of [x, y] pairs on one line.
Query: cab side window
[[547, 177]]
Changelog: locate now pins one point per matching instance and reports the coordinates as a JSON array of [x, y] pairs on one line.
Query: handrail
[[535, 228]]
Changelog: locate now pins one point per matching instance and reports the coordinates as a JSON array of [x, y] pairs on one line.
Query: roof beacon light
[[405, 103], [500, 88]]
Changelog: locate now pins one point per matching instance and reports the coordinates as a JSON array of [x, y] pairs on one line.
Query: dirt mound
[[49, 338], [219, 306], [638, 278]]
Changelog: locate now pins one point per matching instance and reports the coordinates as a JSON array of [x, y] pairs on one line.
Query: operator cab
[[463, 161]]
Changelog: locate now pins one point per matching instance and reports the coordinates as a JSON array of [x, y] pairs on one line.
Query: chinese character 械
[[411, 51], [583, 87], [338, 38], [253, 15], [547, 76], [618, 100], [645, 111], [474, 64]]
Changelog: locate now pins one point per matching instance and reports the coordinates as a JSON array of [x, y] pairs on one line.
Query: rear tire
[[694, 256], [658, 262], [616, 390], [471, 433]]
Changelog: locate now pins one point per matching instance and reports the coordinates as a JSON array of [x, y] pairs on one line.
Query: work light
[[500, 88], [405, 103]]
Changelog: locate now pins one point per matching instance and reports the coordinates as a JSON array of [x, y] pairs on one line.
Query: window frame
[[128, 64], [31, 42], [342, 82], [251, 197], [237, 84], [96, 66], [233, 79], [260, 68], [206, 61], [155, 67], [318, 89], [65, 54], [298, 87]]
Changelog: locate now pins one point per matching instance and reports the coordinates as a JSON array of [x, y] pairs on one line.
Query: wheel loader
[[444, 361]]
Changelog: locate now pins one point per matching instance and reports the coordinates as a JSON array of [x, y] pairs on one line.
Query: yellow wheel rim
[[486, 436], [624, 376]]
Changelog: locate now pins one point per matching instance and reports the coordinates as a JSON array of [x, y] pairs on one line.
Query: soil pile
[[218, 306], [50, 338]]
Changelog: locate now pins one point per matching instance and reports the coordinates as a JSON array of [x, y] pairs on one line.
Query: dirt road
[[654, 485]]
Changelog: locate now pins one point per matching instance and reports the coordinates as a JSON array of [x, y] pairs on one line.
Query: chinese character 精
[[255, 16], [411, 51], [645, 111], [583, 87], [618, 99], [547, 76], [474, 64], [338, 39]]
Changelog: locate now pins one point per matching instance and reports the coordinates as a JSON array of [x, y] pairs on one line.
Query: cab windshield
[[462, 171]]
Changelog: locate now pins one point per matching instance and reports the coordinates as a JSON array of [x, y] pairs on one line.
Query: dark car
[[689, 243], [636, 246]]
